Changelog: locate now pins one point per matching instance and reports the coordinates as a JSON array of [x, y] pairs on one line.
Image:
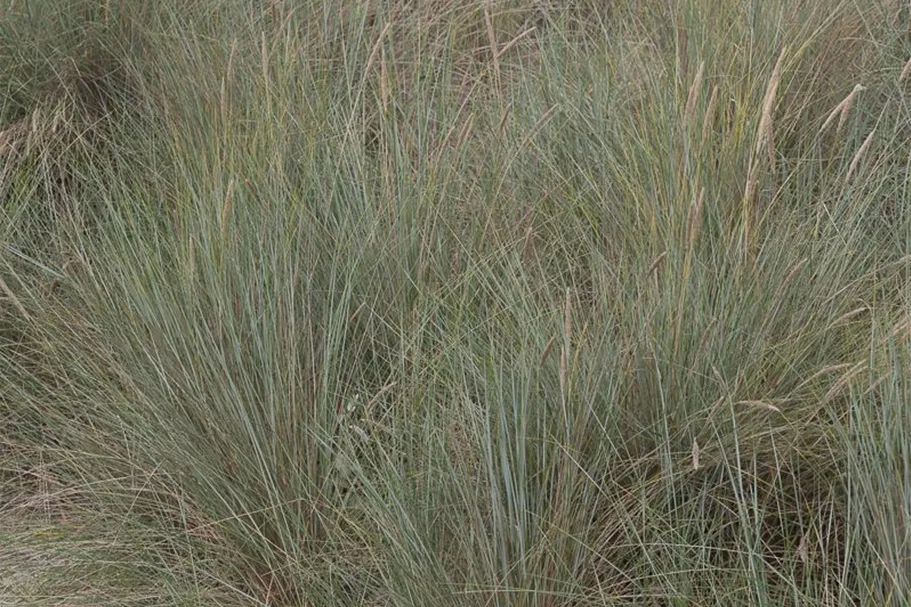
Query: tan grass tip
[[693, 96], [765, 132], [859, 155], [843, 381], [905, 71], [760, 404], [842, 109]]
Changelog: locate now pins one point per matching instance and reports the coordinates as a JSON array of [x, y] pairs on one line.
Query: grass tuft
[[472, 302]]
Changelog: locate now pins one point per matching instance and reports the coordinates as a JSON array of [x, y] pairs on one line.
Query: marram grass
[[470, 302]]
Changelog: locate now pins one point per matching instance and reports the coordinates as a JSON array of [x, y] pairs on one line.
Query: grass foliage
[[467, 302]]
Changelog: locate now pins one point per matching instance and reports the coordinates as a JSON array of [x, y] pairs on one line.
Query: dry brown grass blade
[[492, 40], [748, 212], [264, 56], [566, 352], [905, 71], [223, 100], [494, 52], [375, 51], [825, 371], [15, 300], [654, 265], [547, 348], [709, 114], [515, 41], [231, 57], [849, 315], [695, 219], [465, 133], [795, 269], [706, 333], [528, 244], [384, 81], [844, 380], [226, 206], [504, 119], [376, 397], [902, 329], [13, 137], [682, 54]]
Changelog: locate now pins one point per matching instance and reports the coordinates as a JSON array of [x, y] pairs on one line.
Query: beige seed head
[[843, 381], [765, 130], [693, 96], [849, 315], [860, 154], [709, 113], [905, 71], [760, 404], [841, 110], [654, 265], [847, 104]]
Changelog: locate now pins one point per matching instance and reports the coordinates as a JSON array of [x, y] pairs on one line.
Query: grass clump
[[458, 303]]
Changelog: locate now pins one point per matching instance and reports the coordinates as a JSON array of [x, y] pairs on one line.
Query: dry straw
[[849, 315], [654, 265], [844, 380], [709, 113], [825, 371], [707, 333], [565, 353], [374, 52], [494, 53], [695, 219], [905, 71], [15, 300], [384, 81], [547, 349], [528, 245], [901, 329], [795, 269], [230, 70], [226, 209], [506, 47], [12, 137], [264, 56]]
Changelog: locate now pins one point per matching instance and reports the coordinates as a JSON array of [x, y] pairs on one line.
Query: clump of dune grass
[[460, 303]]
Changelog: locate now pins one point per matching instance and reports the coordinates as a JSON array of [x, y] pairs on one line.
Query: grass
[[456, 303]]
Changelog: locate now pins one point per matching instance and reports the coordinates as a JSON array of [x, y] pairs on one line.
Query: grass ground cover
[[456, 303]]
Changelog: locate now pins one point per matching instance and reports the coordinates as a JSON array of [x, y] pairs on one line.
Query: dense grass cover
[[455, 303]]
